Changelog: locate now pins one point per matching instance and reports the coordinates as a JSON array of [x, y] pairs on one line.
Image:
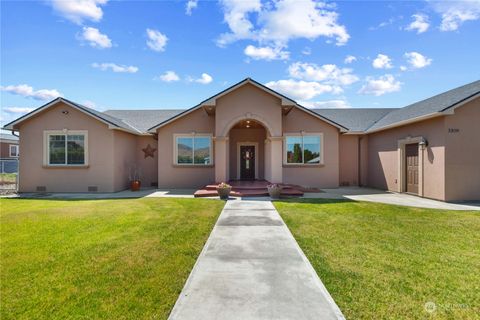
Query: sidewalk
[[252, 268]]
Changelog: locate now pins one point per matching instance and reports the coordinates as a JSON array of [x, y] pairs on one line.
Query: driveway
[[252, 268]]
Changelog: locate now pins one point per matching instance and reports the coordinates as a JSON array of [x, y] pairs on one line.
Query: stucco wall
[[383, 156], [100, 144], [248, 99], [462, 158], [124, 158], [247, 135], [349, 153], [174, 176], [148, 166], [323, 176]]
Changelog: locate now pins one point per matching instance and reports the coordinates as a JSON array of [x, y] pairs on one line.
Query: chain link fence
[[8, 176]]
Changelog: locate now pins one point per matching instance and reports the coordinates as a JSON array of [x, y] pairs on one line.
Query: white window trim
[[46, 146], [17, 151], [303, 134], [191, 135]]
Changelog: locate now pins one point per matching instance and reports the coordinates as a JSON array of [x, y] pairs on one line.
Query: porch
[[254, 188]]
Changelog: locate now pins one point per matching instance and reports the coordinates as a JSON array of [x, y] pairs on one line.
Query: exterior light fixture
[[248, 121], [423, 144], [248, 126]]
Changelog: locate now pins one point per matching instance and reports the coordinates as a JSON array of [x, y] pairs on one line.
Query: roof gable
[[211, 102], [112, 122]]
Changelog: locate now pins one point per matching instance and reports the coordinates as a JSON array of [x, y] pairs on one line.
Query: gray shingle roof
[[355, 119], [6, 136], [121, 123], [142, 120], [438, 103]]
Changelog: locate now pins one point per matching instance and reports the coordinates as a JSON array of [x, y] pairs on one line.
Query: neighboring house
[[248, 131], [9, 148], [9, 153]]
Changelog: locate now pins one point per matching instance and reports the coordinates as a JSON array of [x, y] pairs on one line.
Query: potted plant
[[223, 190], [274, 190], [134, 177]]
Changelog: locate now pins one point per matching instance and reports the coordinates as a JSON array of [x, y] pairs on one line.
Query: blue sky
[[158, 54]]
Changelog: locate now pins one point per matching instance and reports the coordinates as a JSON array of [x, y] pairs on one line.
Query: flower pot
[[223, 193], [274, 191], [135, 185]]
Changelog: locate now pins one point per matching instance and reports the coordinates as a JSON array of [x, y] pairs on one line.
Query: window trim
[[191, 135], [303, 134], [17, 150], [65, 132]]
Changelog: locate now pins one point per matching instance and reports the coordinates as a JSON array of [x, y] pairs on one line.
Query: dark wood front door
[[411, 161], [247, 162]]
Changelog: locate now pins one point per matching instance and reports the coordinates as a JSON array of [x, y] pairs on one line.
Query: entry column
[[274, 162], [221, 159]]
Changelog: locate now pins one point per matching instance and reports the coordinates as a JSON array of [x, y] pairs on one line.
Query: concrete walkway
[[252, 268], [380, 196]]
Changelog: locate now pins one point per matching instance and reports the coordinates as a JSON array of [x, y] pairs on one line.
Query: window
[[304, 149], [14, 150], [66, 148], [193, 149]]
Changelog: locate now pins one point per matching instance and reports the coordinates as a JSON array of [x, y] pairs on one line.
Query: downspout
[[13, 133]]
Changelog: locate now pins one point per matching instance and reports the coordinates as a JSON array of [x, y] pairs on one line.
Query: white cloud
[[420, 23], [266, 53], [95, 38], [333, 104], [328, 73], [403, 68], [381, 85], [191, 4], [302, 90], [169, 76], [90, 104], [27, 91], [20, 110], [280, 21], [455, 13], [382, 61], [417, 60], [307, 51], [204, 79], [115, 67], [350, 59], [156, 40], [79, 10]]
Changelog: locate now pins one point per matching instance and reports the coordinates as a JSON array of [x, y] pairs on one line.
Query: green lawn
[[385, 262], [99, 259]]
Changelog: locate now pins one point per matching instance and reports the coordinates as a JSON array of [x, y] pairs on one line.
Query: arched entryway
[[247, 150]]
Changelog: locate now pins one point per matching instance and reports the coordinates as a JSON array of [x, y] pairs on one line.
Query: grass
[[382, 261], [99, 259], [8, 177]]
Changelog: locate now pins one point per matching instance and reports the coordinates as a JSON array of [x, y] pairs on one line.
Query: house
[[9, 153], [248, 131], [9, 148]]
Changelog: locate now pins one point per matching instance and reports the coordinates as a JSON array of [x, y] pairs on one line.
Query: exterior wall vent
[[41, 188], [92, 188]]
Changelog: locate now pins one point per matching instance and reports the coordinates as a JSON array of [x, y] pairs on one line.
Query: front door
[[247, 162], [411, 161]]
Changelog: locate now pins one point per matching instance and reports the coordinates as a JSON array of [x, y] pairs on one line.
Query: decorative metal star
[[149, 151]]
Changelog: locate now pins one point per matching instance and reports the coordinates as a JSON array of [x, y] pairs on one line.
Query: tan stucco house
[[248, 131]]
